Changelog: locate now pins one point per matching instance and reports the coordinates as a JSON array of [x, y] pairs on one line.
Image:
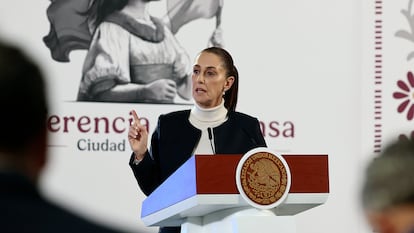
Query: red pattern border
[[378, 75]]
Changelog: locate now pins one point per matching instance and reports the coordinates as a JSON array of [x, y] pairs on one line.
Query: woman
[[133, 57], [184, 133]]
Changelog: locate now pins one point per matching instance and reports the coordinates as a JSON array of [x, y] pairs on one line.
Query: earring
[[224, 93]]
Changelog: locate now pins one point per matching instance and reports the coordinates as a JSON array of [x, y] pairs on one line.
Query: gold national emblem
[[263, 178]]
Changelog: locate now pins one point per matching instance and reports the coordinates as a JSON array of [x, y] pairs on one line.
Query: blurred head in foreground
[[23, 146], [23, 115], [388, 189]]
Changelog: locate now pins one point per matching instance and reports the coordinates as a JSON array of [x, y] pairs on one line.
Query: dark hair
[[389, 178], [102, 8], [230, 98], [22, 100]]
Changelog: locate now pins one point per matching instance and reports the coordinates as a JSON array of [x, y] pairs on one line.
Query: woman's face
[[209, 80]]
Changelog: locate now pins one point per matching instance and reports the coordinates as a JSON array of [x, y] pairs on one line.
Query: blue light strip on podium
[[180, 186]]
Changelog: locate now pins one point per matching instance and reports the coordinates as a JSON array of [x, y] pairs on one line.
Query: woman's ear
[[229, 82]]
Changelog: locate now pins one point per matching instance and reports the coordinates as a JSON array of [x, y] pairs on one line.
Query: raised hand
[[137, 137]]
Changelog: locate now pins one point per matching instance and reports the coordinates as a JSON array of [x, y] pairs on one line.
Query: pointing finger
[[135, 116]]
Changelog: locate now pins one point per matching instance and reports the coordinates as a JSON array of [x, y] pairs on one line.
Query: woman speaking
[[212, 126]]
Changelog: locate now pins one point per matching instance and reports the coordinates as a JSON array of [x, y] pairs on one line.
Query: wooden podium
[[202, 196]]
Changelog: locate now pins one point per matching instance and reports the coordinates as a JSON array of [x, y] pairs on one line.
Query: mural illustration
[[404, 92], [132, 56], [404, 34]]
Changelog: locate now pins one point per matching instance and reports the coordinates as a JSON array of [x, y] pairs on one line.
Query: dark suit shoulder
[[23, 209], [177, 115], [173, 121], [242, 117]]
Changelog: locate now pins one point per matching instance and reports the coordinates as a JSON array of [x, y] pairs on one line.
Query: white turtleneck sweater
[[203, 118]]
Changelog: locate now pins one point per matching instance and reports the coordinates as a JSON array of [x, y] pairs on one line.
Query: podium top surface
[[216, 175]]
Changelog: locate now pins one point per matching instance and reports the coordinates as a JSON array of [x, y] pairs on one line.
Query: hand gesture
[[137, 137]]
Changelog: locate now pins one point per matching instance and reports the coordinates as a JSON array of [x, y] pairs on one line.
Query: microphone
[[210, 137]]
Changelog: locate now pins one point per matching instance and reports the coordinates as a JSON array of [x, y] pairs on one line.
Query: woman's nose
[[200, 78]]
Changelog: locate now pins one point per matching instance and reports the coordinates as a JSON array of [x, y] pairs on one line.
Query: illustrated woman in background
[[133, 57]]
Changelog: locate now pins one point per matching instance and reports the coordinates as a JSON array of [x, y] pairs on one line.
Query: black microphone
[[210, 137]]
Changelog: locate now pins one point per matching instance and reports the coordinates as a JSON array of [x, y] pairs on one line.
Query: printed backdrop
[[300, 75], [388, 81], [388, 71]]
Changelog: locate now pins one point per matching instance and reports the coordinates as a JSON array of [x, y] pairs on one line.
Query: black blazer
[[175, 138]]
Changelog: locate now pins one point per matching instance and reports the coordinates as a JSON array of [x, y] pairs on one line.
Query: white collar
[[214, 114]]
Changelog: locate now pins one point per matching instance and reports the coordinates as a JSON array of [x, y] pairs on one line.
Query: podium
[[202, 196]]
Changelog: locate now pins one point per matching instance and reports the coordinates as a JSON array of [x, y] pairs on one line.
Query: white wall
[[299, 61]]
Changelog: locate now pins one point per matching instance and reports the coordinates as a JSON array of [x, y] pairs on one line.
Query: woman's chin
[[201, 103], [199, 97]]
